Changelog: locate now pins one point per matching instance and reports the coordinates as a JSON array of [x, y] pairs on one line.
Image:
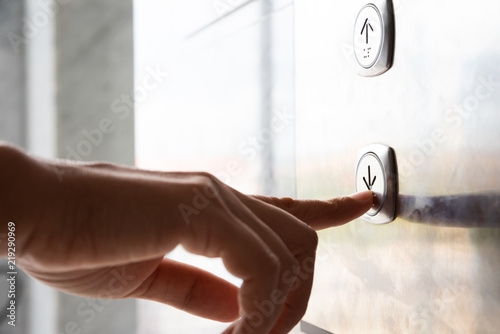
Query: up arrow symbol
[[366, 25], [370, 182]]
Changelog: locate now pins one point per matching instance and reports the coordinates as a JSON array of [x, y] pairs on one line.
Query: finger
[[302, 241], [295, 305], [219, 233], [339, 210], [321, 214], [192, 290], [272, 307]]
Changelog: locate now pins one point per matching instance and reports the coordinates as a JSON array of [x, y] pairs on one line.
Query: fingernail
[[362, 196]]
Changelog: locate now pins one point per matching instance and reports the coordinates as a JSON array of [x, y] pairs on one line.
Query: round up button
[[368, 36], [373, 38]]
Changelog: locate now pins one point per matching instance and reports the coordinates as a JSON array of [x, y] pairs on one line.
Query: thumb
[[192, 290], [321, 214]]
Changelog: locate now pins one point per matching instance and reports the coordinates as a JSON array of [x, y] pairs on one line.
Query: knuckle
[[337, 202], [206, 178], [103, 165], [307, 244], [191, 293], [202, 174], [342, 201], [289, 275], [296, 310], [208, 183], [286, 203], [309, 238], [290, 262], [271, 265]]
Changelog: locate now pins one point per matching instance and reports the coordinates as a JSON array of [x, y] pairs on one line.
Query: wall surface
[[435, 268], [12, 85], [94, 51], [94, 71]]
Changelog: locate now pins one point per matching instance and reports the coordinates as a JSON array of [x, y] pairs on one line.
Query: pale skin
[[102, 230]]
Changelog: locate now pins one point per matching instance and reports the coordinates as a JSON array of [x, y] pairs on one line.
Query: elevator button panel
[[376, 170], [374, 38]]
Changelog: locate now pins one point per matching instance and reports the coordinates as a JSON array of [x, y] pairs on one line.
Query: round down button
[[376, 170], [370, 176]]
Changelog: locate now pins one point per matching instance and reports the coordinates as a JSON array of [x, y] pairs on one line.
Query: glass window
[[223, 103]]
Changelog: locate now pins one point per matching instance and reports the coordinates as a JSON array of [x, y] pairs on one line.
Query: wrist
[[11, 160], [19, 192]]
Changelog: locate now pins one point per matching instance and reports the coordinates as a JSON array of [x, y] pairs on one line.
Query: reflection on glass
[[226, 107]]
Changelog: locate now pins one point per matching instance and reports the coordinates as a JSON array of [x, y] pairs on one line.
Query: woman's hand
[[101, 230]]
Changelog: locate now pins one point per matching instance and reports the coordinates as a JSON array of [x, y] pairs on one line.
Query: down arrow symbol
[[370, 182]]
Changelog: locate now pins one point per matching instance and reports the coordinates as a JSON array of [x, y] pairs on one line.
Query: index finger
[[321, 214]]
